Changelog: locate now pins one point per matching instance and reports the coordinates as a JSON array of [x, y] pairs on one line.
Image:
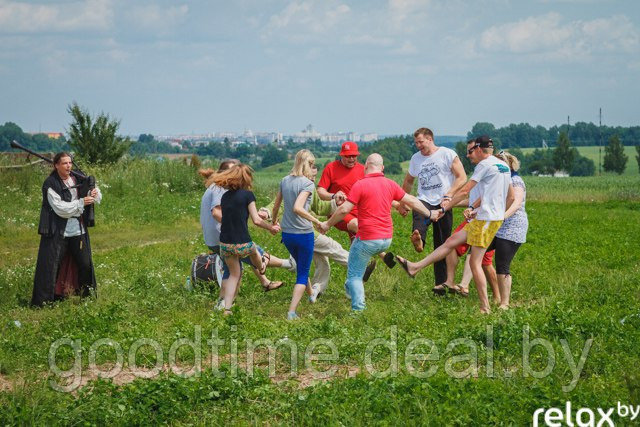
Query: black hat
[[484, 142]]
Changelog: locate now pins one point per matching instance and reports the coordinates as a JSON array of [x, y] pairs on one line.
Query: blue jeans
[[359, 255], [246, 260]]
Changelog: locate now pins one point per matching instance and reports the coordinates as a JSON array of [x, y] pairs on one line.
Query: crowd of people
[[355, 198]]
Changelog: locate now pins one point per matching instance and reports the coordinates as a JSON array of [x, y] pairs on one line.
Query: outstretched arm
[[276, 207], [253, 213], [415, 205]]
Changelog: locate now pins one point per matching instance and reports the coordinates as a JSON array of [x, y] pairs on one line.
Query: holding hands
[[470, 213], [339, 197], [322, 227], [275, 228], [402, 209], [435, 215]]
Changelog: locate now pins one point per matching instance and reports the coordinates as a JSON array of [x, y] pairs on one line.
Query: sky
[[389, 67]]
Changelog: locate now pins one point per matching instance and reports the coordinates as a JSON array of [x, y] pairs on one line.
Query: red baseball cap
[[349, 148]]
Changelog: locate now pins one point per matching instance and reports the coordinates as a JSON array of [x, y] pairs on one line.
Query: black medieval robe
[[56, 275]]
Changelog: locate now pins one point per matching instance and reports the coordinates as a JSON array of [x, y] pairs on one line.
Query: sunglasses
[[470, 150]]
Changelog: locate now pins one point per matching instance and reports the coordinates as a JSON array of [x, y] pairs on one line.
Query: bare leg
[[504, 280], [466, 274], [478, 276], [441, 253], [230, 285], [298, 292], [492, 277], [452, 264]]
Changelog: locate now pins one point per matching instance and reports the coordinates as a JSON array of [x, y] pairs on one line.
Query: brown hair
[[240, 176], [60, 155], [423, 131], [208, 174]]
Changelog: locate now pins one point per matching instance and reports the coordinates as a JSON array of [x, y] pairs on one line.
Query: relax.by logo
[[554, 417]]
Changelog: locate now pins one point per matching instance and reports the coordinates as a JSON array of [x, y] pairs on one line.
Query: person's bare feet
[[503, 307], [417, 241], [485, 310]]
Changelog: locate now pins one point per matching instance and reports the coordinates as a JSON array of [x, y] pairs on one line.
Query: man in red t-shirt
[[336, 181], [371, 198]]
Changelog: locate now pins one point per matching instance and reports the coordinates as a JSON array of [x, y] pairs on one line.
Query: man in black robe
[[64, 265]]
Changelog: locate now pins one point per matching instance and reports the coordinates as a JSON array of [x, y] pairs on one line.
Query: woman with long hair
[[237, 205], [297, 223]]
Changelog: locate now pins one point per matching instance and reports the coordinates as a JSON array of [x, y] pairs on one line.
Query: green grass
[[575, 279], [593, 152]]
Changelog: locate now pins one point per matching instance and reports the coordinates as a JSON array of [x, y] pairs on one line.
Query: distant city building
[[368, 137], [52, 135]]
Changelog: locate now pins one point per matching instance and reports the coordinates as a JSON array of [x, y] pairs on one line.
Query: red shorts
[[487, 258], [342, 225]]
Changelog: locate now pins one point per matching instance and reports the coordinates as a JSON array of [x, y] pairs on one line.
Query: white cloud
[[301, 20], [547, 36], [153, 16], [408, 15], [406, 48], [33, 18]]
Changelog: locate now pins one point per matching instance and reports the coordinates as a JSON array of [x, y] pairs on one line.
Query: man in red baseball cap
[[336, 181]]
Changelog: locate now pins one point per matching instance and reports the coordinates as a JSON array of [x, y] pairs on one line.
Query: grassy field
[[575, 292], [593, 153]]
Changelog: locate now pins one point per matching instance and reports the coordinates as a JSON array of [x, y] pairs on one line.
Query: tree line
[[95, 140], [582, 134]]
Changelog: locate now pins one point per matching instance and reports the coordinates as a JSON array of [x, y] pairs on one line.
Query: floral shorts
[[481, 233], [241, 250]]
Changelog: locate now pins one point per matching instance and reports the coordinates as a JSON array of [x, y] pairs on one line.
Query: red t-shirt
[[337, 176], [373, 195]]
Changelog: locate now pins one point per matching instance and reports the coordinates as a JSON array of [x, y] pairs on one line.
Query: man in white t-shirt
[[440, 174], [493, 179]]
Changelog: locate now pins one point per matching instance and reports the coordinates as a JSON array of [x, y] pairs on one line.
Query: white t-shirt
[[493, 178], [434, 174]]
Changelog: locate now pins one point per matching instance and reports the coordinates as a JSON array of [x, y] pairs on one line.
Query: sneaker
[[370, 267], [315, 291], [219, 305], [346, 292], [292, 315], [294, 266]]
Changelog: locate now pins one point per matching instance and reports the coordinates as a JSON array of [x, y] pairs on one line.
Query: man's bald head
[[374, 164]]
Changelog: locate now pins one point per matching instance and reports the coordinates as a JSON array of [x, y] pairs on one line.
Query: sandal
[[405, 267], [265, 262], [459, 290], [272, 285], [440, 289], [388, 260]]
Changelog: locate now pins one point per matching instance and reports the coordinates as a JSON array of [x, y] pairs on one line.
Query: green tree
[[564, 154], [272, 156], [583, 166], [461, 150], [393, 168], [614, 158], [96, 141]]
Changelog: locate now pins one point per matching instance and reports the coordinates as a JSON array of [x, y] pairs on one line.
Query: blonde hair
[[240, 176], [510, 159], [303, 164]]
